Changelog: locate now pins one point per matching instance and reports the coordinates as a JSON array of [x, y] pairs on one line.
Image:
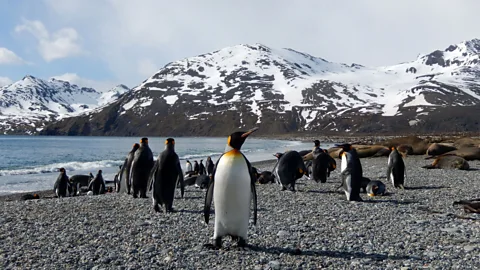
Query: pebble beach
[[313, 228]]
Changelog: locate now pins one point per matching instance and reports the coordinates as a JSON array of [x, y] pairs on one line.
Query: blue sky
[[102, 43]]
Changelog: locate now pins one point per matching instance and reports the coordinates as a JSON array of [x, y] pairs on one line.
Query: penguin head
[[144, 141], [278, 155], [135, 146], [62, 170], [99, 171], [236, 139], [36, 196], [170, 143], [317, 143], [345, 147], [325, 151]]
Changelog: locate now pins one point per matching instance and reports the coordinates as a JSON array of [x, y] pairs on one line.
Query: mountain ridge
[[285, 90], [27, 105]]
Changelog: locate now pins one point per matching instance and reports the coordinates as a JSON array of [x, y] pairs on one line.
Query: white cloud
[[369, 32], [73, 78], [146, 67], [5, 81], [51, 46], [9, 57]]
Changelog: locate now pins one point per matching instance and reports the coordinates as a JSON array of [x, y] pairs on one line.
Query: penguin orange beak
[[244, 135]]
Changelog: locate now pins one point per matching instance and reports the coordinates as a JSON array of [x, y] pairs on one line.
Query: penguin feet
[[156, 208], [216, 246], [241, 243]]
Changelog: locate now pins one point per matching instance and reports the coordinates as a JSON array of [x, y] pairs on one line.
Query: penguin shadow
[[397, 202], [188, 197], [327, 253], [323, 191], [425, 187]]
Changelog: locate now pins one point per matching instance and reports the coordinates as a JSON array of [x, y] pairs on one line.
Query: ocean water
[[30, 163]]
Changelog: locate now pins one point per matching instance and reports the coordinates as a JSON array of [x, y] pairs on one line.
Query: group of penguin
[[231, 182], [71, 186]]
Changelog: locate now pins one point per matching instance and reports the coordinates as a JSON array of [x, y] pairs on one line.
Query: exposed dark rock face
[[286, 91]]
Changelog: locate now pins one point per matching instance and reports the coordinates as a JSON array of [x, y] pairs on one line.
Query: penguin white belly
[[231, 196], [343, 166]]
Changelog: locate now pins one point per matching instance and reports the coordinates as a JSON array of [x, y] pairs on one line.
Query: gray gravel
[[417, 228]]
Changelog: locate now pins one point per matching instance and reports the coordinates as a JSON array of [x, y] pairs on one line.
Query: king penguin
[[62, 184], [97, 185], [396, 169], [166, 173], [351, 173], [320, 165], [232, 187], [124, 182], [288, 169], [140, 171]]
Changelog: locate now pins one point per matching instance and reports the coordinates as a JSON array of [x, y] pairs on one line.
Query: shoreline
[[49, 194]]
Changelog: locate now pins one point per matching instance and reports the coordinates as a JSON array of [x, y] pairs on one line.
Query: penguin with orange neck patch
[[232, 188], [396, 169], [351, 172]]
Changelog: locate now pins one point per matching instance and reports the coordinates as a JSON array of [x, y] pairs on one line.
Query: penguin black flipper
[[253, 180], [180, 179], [208, 202], [209, 194], [151, 178]]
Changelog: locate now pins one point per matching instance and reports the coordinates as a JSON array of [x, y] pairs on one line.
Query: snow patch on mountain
[[34, 102]]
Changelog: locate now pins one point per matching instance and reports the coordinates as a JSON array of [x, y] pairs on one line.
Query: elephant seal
[[449, 162], [436, 149], [419, 146]]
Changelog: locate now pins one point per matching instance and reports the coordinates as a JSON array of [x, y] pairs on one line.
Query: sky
[[103, 43]]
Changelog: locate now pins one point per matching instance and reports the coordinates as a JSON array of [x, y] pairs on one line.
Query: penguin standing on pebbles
[[141, 166], [166, 174], [351, 172], [209, 166], [97, 185], [396, 169], [320, 165], [232, 188], [62, 184], [125, 182], [289, 168]]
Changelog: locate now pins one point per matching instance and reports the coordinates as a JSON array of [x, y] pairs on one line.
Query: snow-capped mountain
[[27, 105], [285, 90]]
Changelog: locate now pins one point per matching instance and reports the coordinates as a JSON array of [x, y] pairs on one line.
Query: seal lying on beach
[[448, 162]]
